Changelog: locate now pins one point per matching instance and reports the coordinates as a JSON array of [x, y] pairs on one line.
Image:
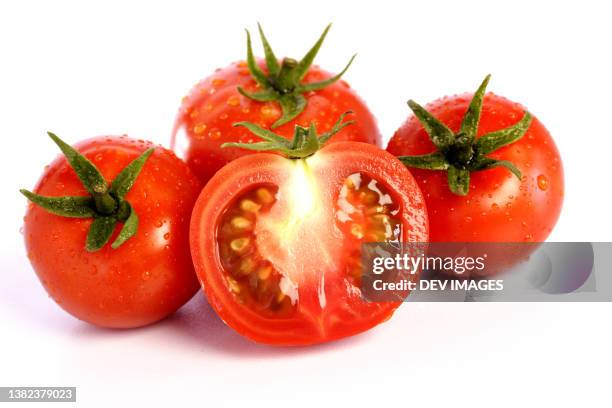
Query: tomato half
[[276, 241], [146, 278]]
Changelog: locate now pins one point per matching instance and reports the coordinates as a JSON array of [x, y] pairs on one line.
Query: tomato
[[146, 273], [276, 242], [490, 203], [275, 95]]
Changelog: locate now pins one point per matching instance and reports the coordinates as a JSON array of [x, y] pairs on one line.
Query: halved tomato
[[276, 241]]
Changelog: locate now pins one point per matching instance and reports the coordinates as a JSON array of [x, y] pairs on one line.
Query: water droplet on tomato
[[159, 224], [146, 275], [199, 128], [233, 100], [468, 219], [215, 134], [542, 182], [167, 236]]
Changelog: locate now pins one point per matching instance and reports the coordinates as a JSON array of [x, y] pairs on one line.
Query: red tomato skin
[[147, 278], [206, 116], [498, 207], [344, 158]]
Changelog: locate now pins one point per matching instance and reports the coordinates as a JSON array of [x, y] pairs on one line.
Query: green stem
[[305, 141], [285, 81], [461, 153], [105, 203], [282, 82], [107, 206]]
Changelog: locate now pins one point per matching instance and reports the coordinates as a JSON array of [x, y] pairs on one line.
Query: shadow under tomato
[[199, 322], [196, 327]]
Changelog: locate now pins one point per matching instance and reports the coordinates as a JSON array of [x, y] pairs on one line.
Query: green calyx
[[106, 203], [305, 141], [461, 153], [282, 83]]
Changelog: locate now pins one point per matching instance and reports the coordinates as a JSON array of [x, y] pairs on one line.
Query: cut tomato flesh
[[251, 277], [278, 243]]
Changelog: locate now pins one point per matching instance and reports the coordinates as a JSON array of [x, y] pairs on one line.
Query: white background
[[117, 67]]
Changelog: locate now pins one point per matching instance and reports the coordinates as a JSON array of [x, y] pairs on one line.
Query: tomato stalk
[[106, 203], [282, 83], [461, 153], [305, 141]]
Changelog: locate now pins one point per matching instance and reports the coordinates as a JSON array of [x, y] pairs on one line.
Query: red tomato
[[206, 117], [499, 207], [276, 242], [146, 278]]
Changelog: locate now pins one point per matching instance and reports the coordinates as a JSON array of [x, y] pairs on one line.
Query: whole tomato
[[107, 231], [489, 170], [275, 94], [277, 241]]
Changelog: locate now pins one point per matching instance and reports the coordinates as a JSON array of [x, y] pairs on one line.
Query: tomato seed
[[357, 231], [264, 272], [247, 265], [264, 195], [249, 206], [240, 245], [233, 285], [241, 223]]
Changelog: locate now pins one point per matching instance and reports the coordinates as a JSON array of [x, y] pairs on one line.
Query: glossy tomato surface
[[144, 280], [276, 242], [206, 116], [499, 207]]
